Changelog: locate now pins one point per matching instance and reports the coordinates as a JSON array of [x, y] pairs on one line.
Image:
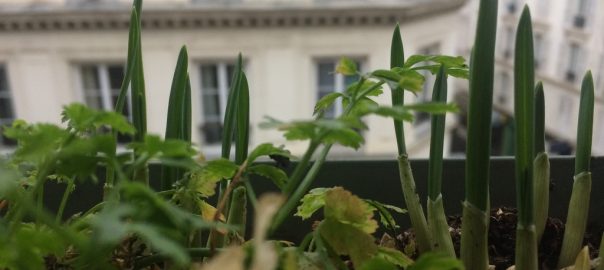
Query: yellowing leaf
[[311, 202], [582, 261], [346, 208], [204, 181], [208, 211], [346, 239]]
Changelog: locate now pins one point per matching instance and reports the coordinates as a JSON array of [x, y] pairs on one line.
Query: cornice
[[192, 17]]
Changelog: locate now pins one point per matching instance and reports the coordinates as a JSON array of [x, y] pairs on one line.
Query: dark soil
[[502, 234]]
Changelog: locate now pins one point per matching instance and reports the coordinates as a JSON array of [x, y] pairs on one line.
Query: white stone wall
[[280, 62]]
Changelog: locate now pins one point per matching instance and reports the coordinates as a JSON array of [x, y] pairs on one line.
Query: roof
[[101, 15]]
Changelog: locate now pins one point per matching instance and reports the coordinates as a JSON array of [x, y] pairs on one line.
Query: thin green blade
[[480, 107], [397, 59], [243, 121], [585, 127], [539, 119], [474, 244], [437, 137], [524, 82], [178, 122], [230, 111], [524, 110]]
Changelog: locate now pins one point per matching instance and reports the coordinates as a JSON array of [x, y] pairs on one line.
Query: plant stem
[[238, 212], [526, 248], [475, 219], [70, 184], [576, 221], [296, 177], [439, 228], [416, 211], [475, 222], [541, 197], [578, 208], [294, 199]]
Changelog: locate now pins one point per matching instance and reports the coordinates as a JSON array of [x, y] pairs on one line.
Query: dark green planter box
[[378, 180]]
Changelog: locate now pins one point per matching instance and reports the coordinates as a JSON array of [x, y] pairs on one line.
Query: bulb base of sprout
[[526, 247], [416, 211], [439, 228], [541, 175], [237, 215], [475, 226], [576, 221]]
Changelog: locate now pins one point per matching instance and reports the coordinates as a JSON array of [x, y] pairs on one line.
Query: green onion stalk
[[524, 110], [416, 211], [235, 127], [541, 167], [578, 208], [139, 101], [133, 44], [476, 205], [437, 219], [178, 124]]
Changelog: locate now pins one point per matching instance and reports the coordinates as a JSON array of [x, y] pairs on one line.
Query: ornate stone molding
[[196, 17]]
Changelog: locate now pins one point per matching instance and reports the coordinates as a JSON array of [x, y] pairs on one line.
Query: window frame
[[223, 87], [8, 95], [339, 85]]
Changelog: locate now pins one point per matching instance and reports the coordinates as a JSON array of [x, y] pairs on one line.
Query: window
[[512, 6], [215, 85], [508, 42], [539, 48], [328, 82], [7, 114], [100, 84], [574, 65], [422, 118], [580, 17]]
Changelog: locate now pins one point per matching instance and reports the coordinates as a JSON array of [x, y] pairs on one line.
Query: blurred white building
[[568, 41], [54, 52]]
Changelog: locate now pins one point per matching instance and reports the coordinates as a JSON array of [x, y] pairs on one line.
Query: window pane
[[211, 106], [116, 76], [230, 69], [212, 132], [3, 80], [6, 109], [326, 75], [209, 76], [90, 77]]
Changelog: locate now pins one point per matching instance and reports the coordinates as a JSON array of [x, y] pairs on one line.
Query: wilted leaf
[[208, 211], [346, 239], [582, 262], [273, 173], [204, 181], [311, 202], [344, 207]]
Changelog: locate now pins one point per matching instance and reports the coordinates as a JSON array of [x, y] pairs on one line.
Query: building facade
[[54, 52], [568, 41]]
